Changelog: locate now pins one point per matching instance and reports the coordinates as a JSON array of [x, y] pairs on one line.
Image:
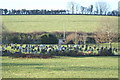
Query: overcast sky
[[50, 4]]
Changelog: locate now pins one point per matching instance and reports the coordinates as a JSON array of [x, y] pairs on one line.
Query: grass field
[[61, 67], [51, 23]]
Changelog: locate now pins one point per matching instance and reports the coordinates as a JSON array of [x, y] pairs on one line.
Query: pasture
[[60, 67], [52, 23]]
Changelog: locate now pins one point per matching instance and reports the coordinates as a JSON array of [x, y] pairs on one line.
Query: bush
[[48, 39], [6, 53], [90, 40], [70, 42], [106, 52]]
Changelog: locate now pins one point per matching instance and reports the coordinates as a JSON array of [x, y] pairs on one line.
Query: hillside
[[52, 23]]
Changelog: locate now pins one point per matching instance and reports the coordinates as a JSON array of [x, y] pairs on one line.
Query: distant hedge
[[52, 38]]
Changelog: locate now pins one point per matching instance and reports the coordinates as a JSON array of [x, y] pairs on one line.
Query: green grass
[[51, 23], [62, 67]]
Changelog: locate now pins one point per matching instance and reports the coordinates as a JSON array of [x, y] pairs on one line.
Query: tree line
[[31, 12], [84, 11], [100, 8]]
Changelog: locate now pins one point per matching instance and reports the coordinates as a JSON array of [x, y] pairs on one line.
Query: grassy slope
[[30, 23], [63, 67]]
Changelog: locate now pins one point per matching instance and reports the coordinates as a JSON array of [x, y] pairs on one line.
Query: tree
[[71, 6], [1, 11], [23, 11], [101, 7], [115, 13], [82, 9], [119, 8], [91, 9], [72, 38], [88, 10], [5, 11], [13, 11], [77, 8], [107, 28], [84, 38]]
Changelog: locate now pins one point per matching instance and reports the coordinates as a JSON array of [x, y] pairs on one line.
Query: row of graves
[[56, 50]]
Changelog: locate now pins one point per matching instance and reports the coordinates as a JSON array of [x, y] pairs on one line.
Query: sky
[[50, 4]]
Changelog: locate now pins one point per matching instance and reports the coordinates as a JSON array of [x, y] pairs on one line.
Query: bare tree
[[84, 38], [77, 8], [107, 28], [72, 37], [119, 8], [1, 11], [86, 10], [72, 6], [82, 9], [101, 7]]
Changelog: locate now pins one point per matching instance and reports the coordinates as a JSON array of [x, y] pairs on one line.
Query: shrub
[[106, 52], [91, 40], [48, 39]]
